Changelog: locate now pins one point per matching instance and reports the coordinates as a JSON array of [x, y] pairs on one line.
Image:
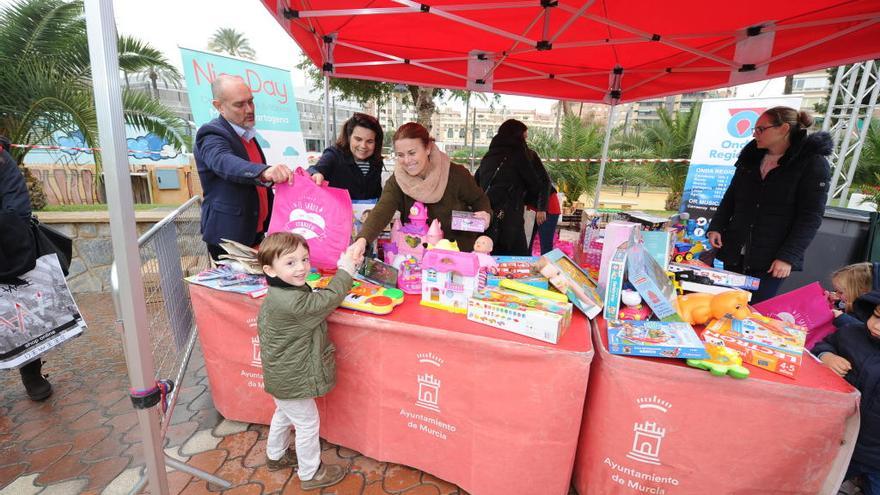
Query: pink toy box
[[449, 278]]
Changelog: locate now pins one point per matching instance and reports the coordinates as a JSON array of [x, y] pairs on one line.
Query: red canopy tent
[[584, 50]]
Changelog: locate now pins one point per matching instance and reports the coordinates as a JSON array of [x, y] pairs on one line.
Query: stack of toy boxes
[[520, 313]]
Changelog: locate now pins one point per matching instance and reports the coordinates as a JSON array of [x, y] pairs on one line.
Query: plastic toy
[[722, 361], [363, 296], [699, 308], [444, 244], [532, 290], [449, 278], [683, 251], [408, 244], [633, 308], [483, 249]]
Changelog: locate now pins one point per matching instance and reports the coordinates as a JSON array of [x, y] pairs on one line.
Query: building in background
[[311, 117], [815, 86]]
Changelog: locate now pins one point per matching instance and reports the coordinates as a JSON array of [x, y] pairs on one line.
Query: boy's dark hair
[[5, 144], [277, 245], [864, 306]]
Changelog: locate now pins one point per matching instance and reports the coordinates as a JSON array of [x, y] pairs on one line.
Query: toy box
[[519, 268], [363, 296], [520, 313], [714, 276], [658, 243], [655, 339], [774, 345], [616, 274], [467, 221], [616, 233], [649, 222], [650, 280], [567, 277]]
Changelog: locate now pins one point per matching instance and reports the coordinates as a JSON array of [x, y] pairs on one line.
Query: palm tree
[[158, 70], [46, 86], [228, 40], [869, 162], [670, 137], [577, 140]]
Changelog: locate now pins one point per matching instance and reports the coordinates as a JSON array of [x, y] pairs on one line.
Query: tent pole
[[327, 135], [132, 311], [604, 155]]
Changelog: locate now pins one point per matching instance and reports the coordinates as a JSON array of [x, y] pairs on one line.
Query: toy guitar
[[363, 296]]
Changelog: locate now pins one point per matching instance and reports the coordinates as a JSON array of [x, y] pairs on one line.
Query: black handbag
[[494, 230], [50, 241]]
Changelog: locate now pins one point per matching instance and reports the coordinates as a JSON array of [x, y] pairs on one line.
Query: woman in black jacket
[[355, 161], [775, 202], [507, 175]]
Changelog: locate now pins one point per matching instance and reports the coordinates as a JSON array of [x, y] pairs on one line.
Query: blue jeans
[[768, 288], [545, 233], [870, 475]]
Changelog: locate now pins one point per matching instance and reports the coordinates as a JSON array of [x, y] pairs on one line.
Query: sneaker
[[287, 460], [325, 476], [35, 383]]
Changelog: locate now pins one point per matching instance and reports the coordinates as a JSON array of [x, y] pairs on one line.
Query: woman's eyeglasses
[[760, 129]]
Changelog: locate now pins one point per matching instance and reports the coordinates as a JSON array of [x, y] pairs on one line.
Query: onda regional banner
[[724, 129], [277, 120]]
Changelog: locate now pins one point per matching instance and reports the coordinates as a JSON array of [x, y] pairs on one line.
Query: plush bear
[[699, 308]]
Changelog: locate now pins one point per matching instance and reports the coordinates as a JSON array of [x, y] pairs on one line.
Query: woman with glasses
[[354, 162], [775, 202]]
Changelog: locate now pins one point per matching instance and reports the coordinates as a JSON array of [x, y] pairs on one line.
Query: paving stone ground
[[85, 439]]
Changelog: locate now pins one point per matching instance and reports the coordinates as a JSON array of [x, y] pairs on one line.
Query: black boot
[[38, 388]]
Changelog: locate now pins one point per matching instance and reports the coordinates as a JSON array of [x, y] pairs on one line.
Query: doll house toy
[[408, 244], [449, 278]]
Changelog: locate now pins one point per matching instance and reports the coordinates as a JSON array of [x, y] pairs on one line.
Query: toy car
[[682, 252]]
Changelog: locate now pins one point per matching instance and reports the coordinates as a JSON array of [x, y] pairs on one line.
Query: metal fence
[[171, 250]]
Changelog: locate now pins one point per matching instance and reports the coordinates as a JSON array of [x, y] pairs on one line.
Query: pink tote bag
[[806, 306], [321, 214]]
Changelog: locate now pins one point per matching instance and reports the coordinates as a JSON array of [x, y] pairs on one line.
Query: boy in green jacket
[[297, 355]]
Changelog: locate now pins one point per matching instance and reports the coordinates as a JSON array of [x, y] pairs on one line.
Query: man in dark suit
[[232, 168]]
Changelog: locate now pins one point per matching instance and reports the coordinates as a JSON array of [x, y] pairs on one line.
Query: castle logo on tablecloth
[[647, 436]]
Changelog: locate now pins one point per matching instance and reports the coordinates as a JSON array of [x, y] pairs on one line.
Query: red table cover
[[491, 411], [657, 426]]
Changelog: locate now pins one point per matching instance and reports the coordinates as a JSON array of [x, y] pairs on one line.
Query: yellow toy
[[722, 361], [699, 308], [445, 244], [532, 290]]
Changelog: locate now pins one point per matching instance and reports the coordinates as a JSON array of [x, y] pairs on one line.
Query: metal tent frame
[[850, 111]]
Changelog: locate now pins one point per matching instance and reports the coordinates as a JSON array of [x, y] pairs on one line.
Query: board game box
[[655, 339], [774, 345]]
